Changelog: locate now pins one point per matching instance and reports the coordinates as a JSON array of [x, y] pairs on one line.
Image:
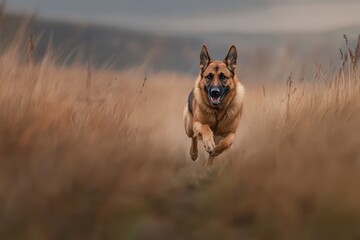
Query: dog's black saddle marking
[[190, 101]]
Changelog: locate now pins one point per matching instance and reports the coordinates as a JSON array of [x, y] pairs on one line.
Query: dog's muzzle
[[216, 94]]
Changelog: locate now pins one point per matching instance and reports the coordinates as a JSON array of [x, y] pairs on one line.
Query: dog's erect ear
[[204, 58], [231, 58]]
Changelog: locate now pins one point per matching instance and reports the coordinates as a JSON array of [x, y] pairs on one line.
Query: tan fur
[[215, 126]]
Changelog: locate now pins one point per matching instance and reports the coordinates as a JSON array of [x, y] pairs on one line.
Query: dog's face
[[217, 77]]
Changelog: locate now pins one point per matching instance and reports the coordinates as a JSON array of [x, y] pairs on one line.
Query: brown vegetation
[[103, 155]]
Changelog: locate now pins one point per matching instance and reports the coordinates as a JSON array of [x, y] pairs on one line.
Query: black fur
[[190, 101]]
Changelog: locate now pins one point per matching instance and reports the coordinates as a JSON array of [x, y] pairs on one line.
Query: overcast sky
[[203, 15]]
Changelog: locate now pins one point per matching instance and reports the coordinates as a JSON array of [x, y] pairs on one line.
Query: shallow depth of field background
[[92, 144]]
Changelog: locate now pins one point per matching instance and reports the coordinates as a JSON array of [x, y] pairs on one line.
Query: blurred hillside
[[118, 48], [109, 47]]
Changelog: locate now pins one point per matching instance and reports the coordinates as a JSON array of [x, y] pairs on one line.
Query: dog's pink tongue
[[215, 100]]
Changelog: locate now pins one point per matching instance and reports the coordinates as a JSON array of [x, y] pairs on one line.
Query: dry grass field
[[100, 154]]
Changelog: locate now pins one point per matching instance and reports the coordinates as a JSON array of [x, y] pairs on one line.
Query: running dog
[[214, 106]]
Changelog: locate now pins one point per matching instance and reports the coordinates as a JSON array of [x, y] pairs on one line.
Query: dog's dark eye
[[209, 77], [222, 77]]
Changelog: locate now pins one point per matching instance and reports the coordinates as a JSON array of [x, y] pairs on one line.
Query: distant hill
[[108, 47], [124, 48]]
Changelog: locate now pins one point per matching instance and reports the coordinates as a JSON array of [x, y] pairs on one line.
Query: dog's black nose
[[215, 92]]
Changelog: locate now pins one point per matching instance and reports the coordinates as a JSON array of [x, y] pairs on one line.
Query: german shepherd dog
[[214, 106]]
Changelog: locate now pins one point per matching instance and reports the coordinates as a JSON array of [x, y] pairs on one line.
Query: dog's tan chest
[[220, 122]]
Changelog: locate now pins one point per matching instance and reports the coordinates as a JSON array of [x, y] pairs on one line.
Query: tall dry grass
[[88, 154]]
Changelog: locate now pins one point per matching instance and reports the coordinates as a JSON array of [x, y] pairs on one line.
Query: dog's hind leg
[[188, 122], [194, 149]]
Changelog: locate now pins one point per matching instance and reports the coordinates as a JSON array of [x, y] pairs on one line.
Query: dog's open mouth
[[215, 100]]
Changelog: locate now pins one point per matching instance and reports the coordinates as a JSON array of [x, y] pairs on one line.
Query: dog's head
[[217, 77]]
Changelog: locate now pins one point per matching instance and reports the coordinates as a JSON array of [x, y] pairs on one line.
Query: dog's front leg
[[223, 144], [204, 132]]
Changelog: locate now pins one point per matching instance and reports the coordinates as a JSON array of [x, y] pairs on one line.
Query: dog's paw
[[214, 153], [194, 155], [209, 144]]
